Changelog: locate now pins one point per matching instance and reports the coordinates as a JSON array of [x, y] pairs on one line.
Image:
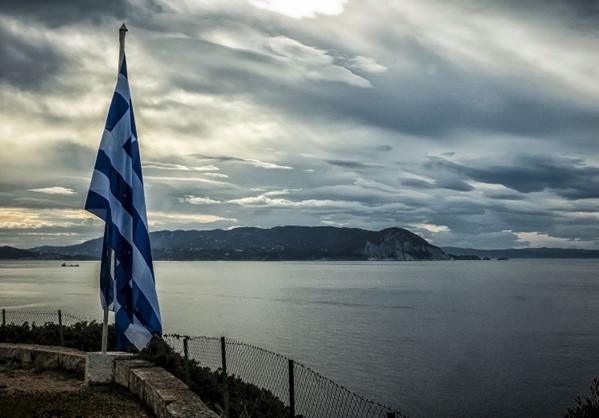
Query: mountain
[[88, 250], [11, 253], [279, 243], [524, 252]]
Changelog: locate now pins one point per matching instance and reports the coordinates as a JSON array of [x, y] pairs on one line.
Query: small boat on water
[[69, 265]]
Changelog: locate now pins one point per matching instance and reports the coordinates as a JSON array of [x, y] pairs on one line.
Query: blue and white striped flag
[[116, 195]]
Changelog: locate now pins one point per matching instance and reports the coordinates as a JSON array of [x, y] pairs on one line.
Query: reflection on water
[[432, 339]]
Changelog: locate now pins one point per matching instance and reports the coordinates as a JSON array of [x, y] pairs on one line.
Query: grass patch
[[27, 392]]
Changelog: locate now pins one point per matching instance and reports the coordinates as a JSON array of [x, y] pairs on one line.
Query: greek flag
[[116, 195]]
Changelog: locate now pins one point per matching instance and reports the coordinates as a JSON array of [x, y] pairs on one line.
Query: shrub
[[246, 400], [587, 407]]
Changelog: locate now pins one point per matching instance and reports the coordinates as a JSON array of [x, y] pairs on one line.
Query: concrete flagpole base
[[99, 367]]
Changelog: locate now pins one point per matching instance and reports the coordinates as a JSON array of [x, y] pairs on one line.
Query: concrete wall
[[167, 396]]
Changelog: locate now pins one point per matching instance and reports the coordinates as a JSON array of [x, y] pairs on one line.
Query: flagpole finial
[[122, 32]]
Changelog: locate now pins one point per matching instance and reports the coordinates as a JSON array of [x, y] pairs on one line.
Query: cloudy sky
[[471, 123]]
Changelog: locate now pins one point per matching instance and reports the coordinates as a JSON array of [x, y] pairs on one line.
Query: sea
[[515, 338]]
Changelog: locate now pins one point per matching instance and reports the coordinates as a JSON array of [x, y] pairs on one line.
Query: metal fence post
[[60, 330], [223, 352], [3, 330], [186, 356], [291, 390]]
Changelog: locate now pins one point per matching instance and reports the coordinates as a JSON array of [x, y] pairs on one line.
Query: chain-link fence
[[40, 318], [305, 392]]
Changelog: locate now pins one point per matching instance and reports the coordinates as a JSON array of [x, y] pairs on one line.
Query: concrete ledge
[[122, 370], [99, 367], [167, 396], [157, 388], [45, 357], [189, 405]]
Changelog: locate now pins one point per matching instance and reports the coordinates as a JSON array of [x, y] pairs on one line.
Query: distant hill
[[11, 253], [88, 250], [279, 243], [294, 243], [524, 252]]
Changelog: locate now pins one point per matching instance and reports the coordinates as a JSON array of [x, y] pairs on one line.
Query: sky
[[471, 123]]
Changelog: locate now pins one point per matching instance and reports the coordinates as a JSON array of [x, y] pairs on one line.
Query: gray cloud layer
[[471, 123]]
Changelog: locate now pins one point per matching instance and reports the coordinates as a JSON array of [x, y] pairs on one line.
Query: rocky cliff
[[400, 244]]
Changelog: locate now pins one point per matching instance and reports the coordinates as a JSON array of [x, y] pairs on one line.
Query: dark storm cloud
[[56, 13], [69, 166], [569, 178], [220, 73], [434, 106], [416, 103], [9, 191], [28, 63], [383, 148], [33, 200], [581, 14], [247, 161], [417, 184], [581, 11], [71, 156], [356, 165], [454, 184], [548, 221], [33, 62], [482, 222], [505, 196], [438, 104], [449, 102], [23, 195]]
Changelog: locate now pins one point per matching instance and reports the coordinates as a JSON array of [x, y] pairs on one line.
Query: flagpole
[[105, 331], [122, 33]]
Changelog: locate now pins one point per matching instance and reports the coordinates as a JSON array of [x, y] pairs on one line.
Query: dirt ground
[[29, 393]]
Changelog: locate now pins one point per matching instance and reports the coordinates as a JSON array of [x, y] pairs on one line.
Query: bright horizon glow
[[301, 9]]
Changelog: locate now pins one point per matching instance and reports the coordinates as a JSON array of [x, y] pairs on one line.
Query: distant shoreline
[[294, 243], [467, 258]]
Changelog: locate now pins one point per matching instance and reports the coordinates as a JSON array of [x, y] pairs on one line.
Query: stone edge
[[163, 393]]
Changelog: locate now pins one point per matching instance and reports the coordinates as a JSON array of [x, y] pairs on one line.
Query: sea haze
[[511, 338]]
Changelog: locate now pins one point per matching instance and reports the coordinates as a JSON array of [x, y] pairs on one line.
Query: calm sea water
[[514, 338]]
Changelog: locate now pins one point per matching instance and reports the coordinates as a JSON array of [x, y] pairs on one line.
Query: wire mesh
[[204, 350], [175, 342], [315, 396], [70, 319], [40, 318], [259, 367]]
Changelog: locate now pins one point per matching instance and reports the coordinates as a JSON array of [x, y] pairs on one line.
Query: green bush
[[84, 336], [587, 407], [246, 400]]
